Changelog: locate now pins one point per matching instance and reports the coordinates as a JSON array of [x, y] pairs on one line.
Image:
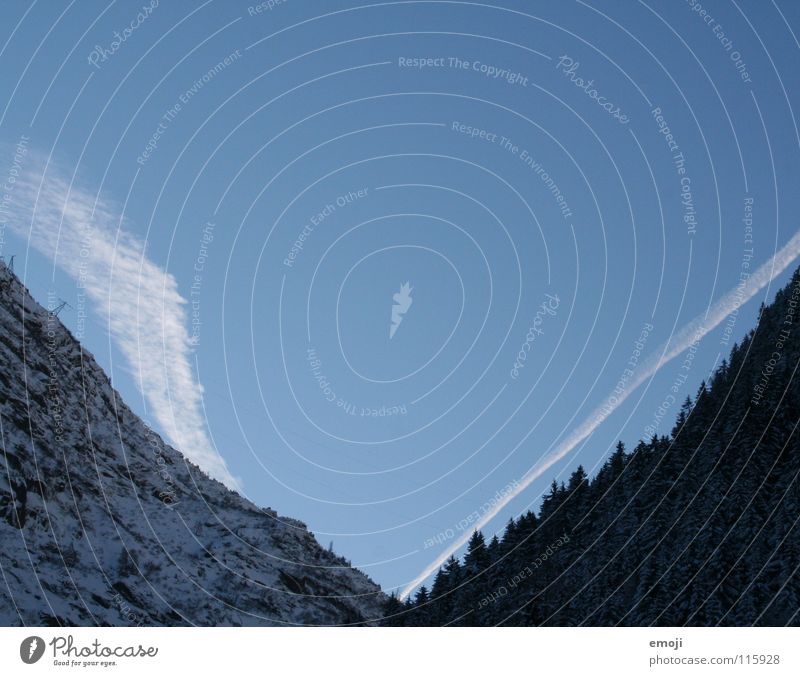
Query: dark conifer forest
[[696, 528]]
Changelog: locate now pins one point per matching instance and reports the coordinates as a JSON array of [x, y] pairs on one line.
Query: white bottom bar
[[354, 651]]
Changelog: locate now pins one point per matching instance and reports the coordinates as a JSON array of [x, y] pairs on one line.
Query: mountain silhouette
[[698, 527]]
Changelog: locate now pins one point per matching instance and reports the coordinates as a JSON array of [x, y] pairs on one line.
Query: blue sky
[[286, 168]]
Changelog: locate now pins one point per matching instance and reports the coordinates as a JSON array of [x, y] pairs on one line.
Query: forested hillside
[[698, 527]]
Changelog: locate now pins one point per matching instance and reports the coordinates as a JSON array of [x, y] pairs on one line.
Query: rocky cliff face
[[102, 523]]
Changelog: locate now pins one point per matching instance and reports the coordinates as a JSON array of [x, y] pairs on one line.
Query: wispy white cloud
[[146, 315], [676, 345]]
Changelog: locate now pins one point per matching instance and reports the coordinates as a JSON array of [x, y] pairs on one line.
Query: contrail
[[676, 345], [145, 311]]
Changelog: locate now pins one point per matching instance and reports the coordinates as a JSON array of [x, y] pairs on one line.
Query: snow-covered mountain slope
[[102, 523]]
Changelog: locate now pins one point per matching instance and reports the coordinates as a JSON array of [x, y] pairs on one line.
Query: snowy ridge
[[102, 523]]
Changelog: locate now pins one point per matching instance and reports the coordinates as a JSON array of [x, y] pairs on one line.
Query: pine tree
[[393, 615], [695, 528]]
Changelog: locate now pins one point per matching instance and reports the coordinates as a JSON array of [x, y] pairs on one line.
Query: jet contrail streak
[[677, 344], [146, 314]]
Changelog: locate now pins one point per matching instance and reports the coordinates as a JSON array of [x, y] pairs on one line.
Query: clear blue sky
[[428, 143]]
